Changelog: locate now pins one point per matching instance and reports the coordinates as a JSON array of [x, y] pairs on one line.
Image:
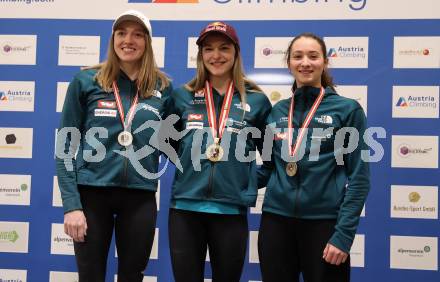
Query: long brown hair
[[326, 78], [149, 73], [239, 78]]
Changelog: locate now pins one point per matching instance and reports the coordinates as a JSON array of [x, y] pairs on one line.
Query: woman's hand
[[75, 225], [334, 255]]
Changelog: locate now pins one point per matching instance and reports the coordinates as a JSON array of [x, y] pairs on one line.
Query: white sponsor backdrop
[[383, 54]]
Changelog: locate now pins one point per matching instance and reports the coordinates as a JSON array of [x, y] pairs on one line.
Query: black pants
[[289, 246], [191, 232], [132, 213]]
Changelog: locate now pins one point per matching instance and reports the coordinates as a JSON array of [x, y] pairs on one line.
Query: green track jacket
[[88, 108], [322, 188], [230, 181]]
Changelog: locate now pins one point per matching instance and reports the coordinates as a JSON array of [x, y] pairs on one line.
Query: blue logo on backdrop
[[3, 96], [332, 53]]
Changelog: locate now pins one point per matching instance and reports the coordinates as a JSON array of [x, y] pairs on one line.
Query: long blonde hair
[[149, 73], [240, 80]]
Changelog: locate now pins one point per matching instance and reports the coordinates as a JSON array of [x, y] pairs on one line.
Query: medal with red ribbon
[[292, 167], [125, 138], [215, 152]]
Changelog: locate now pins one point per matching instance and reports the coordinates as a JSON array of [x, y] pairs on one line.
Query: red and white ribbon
[[217, 132], [304, 126]]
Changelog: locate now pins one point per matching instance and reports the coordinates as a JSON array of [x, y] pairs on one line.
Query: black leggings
[[289, 246], [132, 213], [191, 232]]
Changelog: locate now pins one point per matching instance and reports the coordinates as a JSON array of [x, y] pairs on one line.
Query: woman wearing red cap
[[102, 190], [211, 194]]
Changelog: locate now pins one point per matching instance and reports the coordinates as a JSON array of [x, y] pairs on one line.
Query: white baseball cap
[[135, 16]]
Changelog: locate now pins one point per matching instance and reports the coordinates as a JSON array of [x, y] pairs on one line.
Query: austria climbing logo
[[402, 102], [332, 53]]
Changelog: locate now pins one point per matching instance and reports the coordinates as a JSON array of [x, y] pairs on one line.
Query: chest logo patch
[[240, 107], [280, 136], [199, 94], [194, 125], [105, 113], [192, 117], [324, 119], [106, 104]]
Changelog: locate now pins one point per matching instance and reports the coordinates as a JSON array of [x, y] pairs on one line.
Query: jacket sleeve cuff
[[341, 242], [72, 204]]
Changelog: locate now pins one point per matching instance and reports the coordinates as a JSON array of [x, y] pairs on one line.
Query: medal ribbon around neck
[[305, 125], [131, 111], [217, 132]]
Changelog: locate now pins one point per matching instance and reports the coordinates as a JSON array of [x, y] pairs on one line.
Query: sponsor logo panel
[[78, 50], [347, 52], [192, 53], [14, 237], [58, 276], [18, 49], [270, 52], [414, 151], [415, 101], [61, 94], [414, 201], [253, 247], [16, 142], [416, 52], [15, 189], [13, 275], [17, 96], [357, 252], [158, 44], [61, 243], [56, 194], [407, 252]]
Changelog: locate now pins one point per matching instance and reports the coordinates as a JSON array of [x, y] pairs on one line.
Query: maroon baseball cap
[[219, 27]]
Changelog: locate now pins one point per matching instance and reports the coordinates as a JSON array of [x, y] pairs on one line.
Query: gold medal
[[214, 152], [125, 138], [291, 169]]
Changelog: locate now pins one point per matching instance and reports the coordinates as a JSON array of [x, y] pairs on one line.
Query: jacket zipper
[[298, 182], [209, 192], [125, 172], [210, 185], [125, 178]]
